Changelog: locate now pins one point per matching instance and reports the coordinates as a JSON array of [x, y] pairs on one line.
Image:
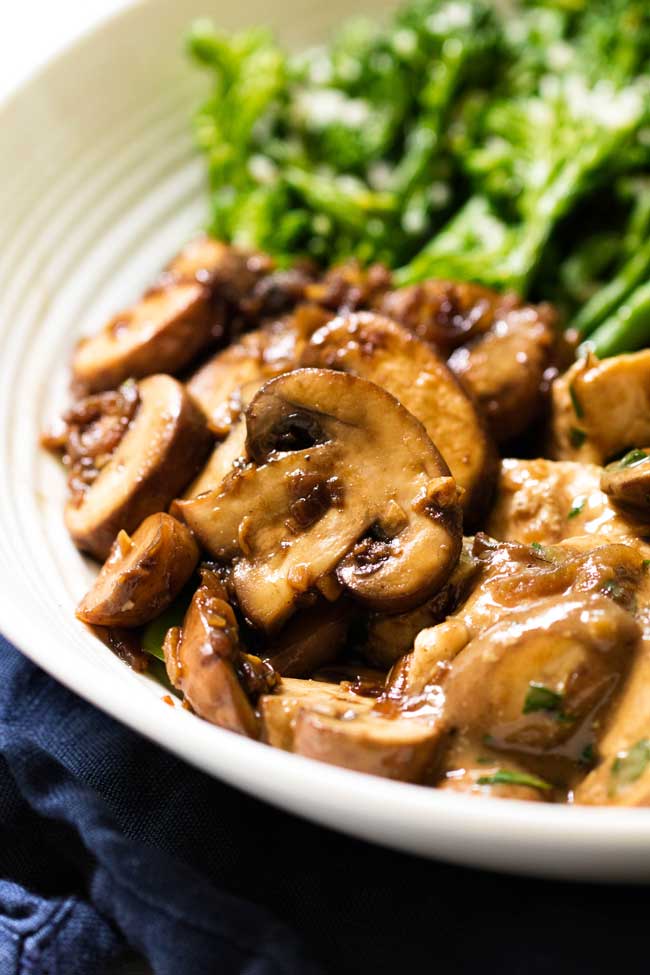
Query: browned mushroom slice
[[386, 638], [368, 496], [142, 574], [601, 409], [164, 445], [395, 748], [529, 683], [258, 356], [505, 369], [375, 348], [331, 724], [204, 660], [223, 459], [188, 309], [231, 270], [627, 482], [162, 332], [349, 286], [279, 710], [310, 640], [446, 314]]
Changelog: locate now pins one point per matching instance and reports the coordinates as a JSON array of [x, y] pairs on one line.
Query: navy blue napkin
[[107, 842]]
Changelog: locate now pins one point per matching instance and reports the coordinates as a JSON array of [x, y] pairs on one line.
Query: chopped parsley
[[587, 756], [506, 777], [645, 564], [577, 507], [613, 588], [577, 437], [628, 766], [632, 458], [577, 405], [541, 698]]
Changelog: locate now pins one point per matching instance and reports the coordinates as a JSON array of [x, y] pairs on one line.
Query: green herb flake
[[506, 777], [541, 698], [587, 757], [575, 402], [577, 437], [632, 458], [577, 507], [629, 766], [613, 589], [645, 564]]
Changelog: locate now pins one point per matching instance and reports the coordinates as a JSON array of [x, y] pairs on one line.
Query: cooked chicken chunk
[[601, 409], [546, 501]]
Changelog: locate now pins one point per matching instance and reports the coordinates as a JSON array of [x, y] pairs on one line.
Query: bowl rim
[[272, 774]]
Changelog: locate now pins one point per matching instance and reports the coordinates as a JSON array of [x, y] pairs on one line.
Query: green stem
[[626, 330]]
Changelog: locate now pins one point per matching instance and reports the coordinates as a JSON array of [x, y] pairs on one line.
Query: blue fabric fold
[[77, 793]]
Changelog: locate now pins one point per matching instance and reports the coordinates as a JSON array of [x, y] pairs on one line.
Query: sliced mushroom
[[164, 445], [349, 286], [184, 312], [370, 497], [627, 483], [142, 574], [500, 349], [446, 314], [394, 748], [505, 369], [232, 271], [258, 356], [279, 710], [601, 409], [310, 640], [204, 660], [330, 724], [375, 348], [385, 638], [224, 458], [530, 682]]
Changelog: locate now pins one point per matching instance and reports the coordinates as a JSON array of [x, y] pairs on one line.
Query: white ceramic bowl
[[98, 188]]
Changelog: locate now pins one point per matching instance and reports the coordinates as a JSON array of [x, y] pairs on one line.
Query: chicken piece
[[620, 773], [545, 501], [514, 578], [258, 356], [600, 409], [531, 681], [205, 661]]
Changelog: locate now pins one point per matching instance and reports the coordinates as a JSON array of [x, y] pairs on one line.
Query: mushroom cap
[[374, 347], [142, 574], [343, 479]]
